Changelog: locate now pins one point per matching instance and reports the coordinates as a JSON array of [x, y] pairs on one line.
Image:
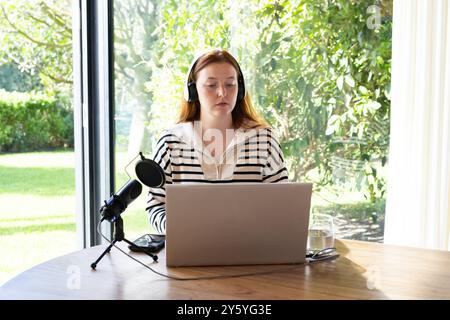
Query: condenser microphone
[[149, 173], [114, 206], [153, 176]]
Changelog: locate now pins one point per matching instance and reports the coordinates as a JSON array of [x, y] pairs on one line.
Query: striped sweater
[[253, 155]]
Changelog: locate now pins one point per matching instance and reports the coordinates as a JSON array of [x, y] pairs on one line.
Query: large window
[[319, 72], [37, 162]]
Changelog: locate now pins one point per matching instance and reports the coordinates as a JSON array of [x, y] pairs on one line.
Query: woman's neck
[[218, 124], [217, 135]]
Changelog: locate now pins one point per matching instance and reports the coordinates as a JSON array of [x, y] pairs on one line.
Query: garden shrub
[[33, 121]]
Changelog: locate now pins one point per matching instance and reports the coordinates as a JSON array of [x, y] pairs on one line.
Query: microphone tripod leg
[[154, 256], [108, 249]]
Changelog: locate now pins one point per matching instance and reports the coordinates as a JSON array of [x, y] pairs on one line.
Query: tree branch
[[25, 35], [37, 19], [58, 19], [56, 79]]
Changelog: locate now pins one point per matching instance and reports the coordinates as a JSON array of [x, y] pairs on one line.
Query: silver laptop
[[224, 224]]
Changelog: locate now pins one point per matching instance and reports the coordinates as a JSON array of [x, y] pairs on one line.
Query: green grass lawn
[[37, 215]]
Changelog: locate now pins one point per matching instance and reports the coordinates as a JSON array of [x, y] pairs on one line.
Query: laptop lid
[[224, 224]]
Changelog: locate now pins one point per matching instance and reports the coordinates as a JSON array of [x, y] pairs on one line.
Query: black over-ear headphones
[[190, 90]]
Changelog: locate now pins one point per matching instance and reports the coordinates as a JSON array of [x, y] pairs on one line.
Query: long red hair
[[243, 114]]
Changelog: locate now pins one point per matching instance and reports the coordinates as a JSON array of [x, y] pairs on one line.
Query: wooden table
[[364, 271]]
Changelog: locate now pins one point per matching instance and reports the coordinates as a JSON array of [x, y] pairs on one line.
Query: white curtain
[[417, 206]]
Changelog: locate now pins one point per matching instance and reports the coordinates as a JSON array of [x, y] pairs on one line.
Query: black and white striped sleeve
[[275, 168], [156, 208]]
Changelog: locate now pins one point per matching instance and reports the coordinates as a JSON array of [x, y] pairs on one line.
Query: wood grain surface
[[363, 271]]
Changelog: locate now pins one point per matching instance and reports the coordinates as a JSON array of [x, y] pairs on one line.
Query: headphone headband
[[190, 92]]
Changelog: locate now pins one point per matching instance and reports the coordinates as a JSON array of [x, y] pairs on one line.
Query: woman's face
[[217, 88]]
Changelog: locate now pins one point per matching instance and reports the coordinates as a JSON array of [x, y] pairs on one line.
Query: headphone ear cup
[[241, 91], [192, 92]]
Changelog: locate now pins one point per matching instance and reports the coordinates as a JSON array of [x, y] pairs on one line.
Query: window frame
[[93, 116]]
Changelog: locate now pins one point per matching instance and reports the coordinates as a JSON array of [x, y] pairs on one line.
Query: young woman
[[219, 137]]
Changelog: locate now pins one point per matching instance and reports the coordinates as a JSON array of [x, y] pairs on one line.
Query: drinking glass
[[320, 233]]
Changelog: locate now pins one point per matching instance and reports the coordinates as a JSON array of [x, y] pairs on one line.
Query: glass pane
[[319, 72], [37, 163]]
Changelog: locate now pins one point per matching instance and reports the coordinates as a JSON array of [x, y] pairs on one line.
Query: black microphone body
[[118, 202]]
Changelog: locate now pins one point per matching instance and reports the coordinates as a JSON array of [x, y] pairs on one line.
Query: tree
[[136, 57], [320, 72], [37, 36], [326, 75]]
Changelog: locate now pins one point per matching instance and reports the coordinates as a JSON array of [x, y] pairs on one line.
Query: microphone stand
[[119, 235]]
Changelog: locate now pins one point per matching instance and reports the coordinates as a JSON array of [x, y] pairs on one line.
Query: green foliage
[[326, 76], [12, 79], [319, 71], [37, 36], [32, 121], [36, 55], [359, 211]]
